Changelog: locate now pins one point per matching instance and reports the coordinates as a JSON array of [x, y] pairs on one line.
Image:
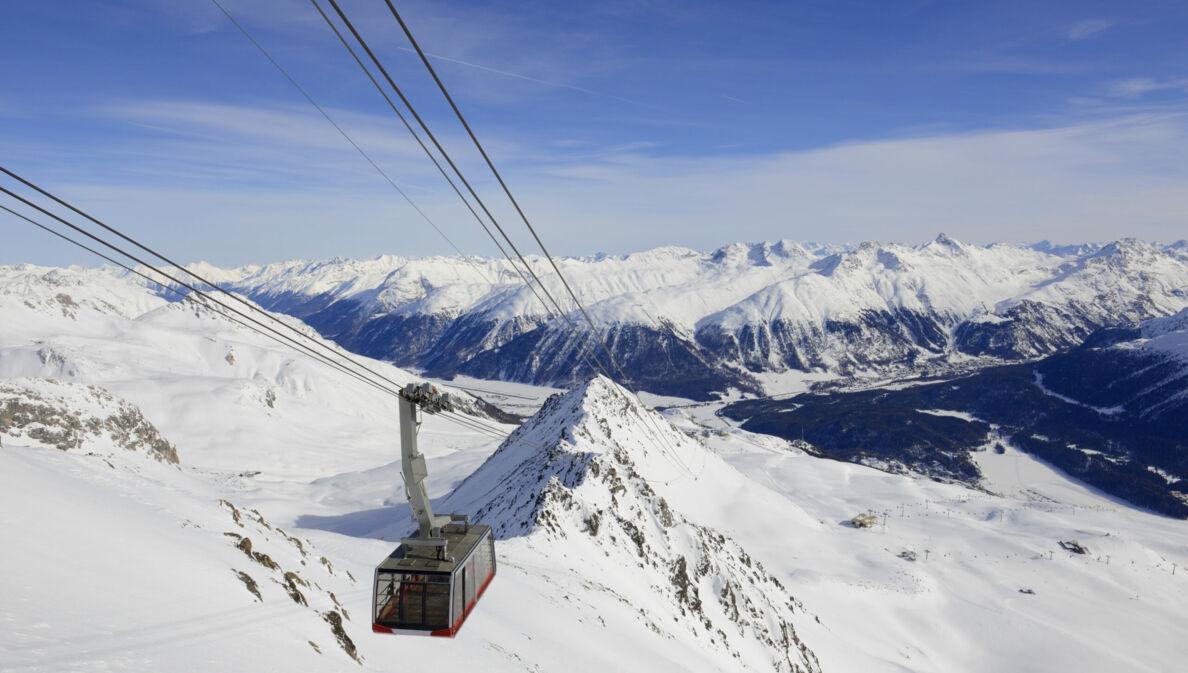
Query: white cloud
[[1139, 86], [1085, 182], [221, 196], [1088, 28]]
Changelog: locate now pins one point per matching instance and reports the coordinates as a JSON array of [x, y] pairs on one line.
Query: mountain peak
[[587, 478], [597, 429], [947, 241]]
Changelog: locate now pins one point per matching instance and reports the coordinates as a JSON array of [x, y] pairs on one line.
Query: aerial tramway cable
[[250, 305], [585, 351], [437, 164], [345, 135], [671, 453], [171, 288], [213, 303], [433, 138], [243, 320], [277, 335], [506, 190]]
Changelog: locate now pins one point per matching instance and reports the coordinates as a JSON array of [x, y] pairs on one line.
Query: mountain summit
[[587, 478]]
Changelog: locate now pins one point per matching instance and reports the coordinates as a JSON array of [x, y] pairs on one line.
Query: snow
[[965, 416], [791, 382], [752, 283], [1016, 474], [958, 607], [1168, 335], [880, 309], [1105, 411], [116, 561]]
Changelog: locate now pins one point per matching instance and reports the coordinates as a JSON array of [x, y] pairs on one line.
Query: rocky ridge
[[588, 475]]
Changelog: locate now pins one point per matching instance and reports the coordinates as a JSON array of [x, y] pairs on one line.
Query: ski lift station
[[430, 583]]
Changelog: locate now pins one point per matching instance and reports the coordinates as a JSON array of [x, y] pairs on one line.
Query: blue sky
[[620, 126]]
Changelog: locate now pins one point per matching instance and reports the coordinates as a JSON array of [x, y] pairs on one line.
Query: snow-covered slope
[[689, 324], [625, 544], [118, 563], [135, 431]]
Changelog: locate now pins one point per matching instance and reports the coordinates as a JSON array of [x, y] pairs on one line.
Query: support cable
[[350, 26], [462, 420], [404, 120], [490, 164], [250, 305], [185, 297], [163, 286], [343, 133], [289, 340], [506, 190], [465, 421]]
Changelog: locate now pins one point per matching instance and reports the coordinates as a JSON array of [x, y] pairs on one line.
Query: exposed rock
[[249, 583], [69, 416], [344, 641]]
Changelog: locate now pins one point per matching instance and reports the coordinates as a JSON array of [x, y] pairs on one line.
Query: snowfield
[[628, 540]]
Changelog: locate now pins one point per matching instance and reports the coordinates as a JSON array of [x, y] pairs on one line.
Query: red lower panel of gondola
[[441, 633]]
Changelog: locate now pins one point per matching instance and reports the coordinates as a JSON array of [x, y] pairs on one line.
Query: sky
[[618, 126]]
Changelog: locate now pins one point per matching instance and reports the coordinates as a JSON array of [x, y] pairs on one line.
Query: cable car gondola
[[429, 584]]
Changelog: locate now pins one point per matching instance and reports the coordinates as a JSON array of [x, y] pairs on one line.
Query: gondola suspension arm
[[427, 399]]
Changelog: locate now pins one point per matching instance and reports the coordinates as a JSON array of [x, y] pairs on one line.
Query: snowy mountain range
[[180, 494], [696, 325]]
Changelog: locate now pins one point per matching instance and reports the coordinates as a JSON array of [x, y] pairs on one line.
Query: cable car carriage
[[430, 583]]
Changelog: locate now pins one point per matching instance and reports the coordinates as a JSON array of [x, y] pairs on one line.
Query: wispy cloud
[[1088, 28], [275, 144], [1139, 86], [273, 182], [536, 80], [293, 125], [1082, 182]]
